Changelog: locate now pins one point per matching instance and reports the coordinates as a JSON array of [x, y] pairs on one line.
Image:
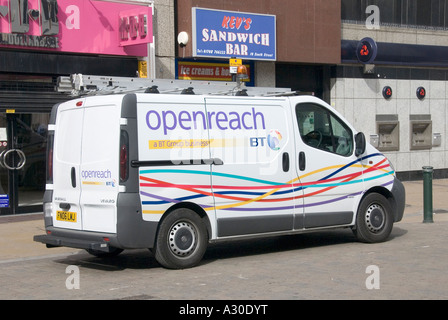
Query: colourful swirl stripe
[[270, 188]]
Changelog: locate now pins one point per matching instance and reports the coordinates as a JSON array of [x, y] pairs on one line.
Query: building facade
[[41, 40], [306, 43], [381, 63], [409, 124], [396, 94]]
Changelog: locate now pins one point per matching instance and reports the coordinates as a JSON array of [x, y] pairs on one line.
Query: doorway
[[23, 144], [307, 79]]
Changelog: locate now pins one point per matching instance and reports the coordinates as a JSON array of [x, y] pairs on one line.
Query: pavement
[[16, 232]]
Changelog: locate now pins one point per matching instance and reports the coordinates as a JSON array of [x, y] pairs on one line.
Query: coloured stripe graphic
[[264, 191]]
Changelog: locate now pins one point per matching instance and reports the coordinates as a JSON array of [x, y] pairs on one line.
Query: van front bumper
[[57, 237], [399, 194]]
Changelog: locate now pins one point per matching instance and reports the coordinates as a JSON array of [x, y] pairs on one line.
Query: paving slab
[[17, 232]]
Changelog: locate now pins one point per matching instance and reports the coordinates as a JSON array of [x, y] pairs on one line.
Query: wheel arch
[[194, 207], [179, 243], [385, 193]]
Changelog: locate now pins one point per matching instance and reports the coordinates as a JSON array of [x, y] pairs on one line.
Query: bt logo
[[272, 140], [257, 141]]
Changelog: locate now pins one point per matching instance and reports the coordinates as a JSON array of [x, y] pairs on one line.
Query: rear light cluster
[[48, 209], [50, 145], [124, 156]]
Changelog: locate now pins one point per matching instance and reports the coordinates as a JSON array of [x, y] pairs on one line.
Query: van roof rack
[[77, 85]]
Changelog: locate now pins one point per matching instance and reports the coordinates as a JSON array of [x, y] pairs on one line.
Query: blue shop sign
[[4, 201], [226, 34]]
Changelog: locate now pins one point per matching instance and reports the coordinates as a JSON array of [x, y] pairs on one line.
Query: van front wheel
[[374, 220], [182, 240]]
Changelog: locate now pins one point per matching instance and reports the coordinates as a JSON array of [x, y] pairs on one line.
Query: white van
[[175, 172]]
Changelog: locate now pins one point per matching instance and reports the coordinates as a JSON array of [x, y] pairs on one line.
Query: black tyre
[[374, 220], [181, 240]]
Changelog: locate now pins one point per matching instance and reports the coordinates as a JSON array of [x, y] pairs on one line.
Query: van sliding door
[[253, 189]]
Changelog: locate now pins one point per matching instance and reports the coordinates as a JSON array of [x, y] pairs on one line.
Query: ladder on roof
[[81, 85]]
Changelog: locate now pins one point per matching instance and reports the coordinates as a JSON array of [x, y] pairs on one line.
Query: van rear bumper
[[57, 237]]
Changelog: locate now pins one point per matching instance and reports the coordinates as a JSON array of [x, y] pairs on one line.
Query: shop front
[[41, 40], [221, 37], [290, 45]]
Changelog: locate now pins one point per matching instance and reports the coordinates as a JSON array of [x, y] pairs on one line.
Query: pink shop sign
[[79, 26]]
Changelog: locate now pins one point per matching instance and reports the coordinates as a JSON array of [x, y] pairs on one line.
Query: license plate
[[66, 216]]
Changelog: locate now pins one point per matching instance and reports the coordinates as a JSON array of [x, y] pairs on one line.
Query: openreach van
[[175, 172]]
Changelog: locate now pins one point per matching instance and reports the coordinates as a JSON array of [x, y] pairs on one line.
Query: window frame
[[329, 115]]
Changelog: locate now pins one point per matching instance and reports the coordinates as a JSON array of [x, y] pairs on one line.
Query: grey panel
[[299, 221], [252, 225], [132, 230], [325, 219]]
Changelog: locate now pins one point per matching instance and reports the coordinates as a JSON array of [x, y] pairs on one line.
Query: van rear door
[[99, 170], [86, 164], [66, 165]]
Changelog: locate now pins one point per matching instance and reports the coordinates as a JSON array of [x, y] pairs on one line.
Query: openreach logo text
[[169, 120], [99, 174]]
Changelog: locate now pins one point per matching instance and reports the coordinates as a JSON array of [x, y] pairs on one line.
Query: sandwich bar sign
[[226, 34], [80, 26]]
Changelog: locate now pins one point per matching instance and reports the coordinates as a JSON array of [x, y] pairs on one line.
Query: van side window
[[321, 129]]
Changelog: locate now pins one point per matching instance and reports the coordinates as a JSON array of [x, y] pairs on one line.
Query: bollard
[[427, 195]]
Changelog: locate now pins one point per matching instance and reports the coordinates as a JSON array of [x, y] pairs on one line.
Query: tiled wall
[[164, 38], [361, 99]]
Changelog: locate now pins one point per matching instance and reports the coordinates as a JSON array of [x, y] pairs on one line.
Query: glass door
[[23, 141]]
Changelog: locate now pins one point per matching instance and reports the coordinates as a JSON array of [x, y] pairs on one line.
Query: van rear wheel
[[374, 220], [181, 240]]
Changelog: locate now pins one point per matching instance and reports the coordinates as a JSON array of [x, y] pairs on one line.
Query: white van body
[[174, 172]]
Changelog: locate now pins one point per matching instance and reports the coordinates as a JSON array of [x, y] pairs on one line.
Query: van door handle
[[285, 161], [64, 206], [73, 176], [302, 161]]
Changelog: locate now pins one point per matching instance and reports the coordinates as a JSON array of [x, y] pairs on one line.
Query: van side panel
[[174, 157], [254, 188]]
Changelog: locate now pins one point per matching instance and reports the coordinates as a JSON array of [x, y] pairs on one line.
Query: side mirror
[[360, 144]]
